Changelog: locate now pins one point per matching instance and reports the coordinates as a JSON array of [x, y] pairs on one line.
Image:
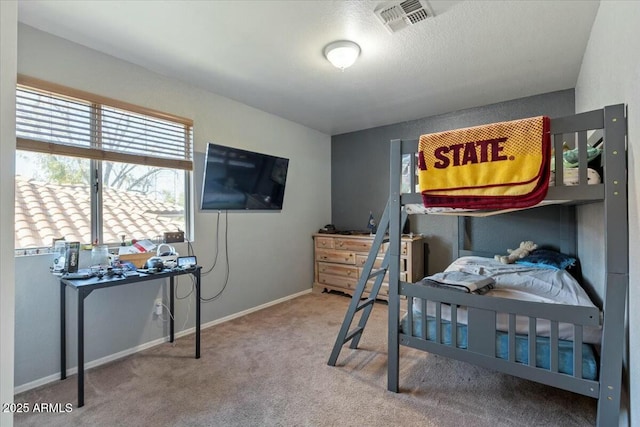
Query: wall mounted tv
[[236, 179]]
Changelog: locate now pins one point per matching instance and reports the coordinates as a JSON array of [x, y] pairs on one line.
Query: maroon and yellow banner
[[491, 164]]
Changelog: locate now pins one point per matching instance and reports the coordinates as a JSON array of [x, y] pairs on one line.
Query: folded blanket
[[499, 165], [460, 280]]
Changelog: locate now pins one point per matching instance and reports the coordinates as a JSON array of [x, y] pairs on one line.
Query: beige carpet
[[270, 369]]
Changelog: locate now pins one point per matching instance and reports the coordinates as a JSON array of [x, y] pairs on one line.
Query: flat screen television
[[236, 179]]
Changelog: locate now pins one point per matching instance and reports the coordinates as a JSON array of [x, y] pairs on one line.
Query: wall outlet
[[173, 236], [157, 308]]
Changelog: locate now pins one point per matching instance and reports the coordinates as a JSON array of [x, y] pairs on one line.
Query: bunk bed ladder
[[357, 302]]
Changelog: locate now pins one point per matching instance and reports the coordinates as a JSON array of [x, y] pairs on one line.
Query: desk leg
[[81, 297], [197, 314], [171, 309], [63, 331]]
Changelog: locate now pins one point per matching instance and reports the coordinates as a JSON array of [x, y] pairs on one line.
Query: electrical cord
[[191, 251], [193, 287], [226, 246], [168, 311], [215, 259], [186, 318]]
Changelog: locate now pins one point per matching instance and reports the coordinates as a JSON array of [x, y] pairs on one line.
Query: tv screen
[[241, 179]]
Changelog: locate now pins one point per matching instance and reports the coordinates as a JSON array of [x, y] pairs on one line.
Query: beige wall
[[610, 74]]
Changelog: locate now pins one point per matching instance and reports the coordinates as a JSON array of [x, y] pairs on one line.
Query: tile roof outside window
[[46, 211]]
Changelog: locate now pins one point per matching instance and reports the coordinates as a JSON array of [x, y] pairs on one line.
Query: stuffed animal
[[515, 254]]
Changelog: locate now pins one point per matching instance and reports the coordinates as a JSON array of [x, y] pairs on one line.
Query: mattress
[[565, 347], [525, 283]]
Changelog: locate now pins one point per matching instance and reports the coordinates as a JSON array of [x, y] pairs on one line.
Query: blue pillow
[[546, 258]]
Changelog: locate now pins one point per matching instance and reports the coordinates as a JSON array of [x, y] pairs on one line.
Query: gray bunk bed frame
[[482, 311]]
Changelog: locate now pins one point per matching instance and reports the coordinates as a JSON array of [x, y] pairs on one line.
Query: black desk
[[86, 286]]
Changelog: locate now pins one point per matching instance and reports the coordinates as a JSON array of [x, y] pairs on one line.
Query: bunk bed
[[501, 333]]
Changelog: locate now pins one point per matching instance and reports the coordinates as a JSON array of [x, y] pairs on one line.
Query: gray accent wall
[[360, 166]]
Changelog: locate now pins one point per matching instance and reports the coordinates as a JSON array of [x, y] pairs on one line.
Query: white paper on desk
[[144, 245], [127, 250]]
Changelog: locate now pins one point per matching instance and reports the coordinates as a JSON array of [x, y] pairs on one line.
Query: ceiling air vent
[[398, 15]]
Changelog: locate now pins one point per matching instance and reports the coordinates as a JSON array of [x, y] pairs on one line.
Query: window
[[89, 168]]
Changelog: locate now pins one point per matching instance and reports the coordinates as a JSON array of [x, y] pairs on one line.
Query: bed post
[[393, 353], [460, 236], [616, 265]]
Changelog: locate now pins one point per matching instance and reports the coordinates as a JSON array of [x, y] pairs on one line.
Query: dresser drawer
[[356, 245], [384, 289], [324, 242], [343, 282], [404, 248], [338, 269], [361, 259], [342, 257], [403, 278]]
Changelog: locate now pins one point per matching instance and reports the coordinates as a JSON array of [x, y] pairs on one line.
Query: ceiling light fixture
[[342, 54]]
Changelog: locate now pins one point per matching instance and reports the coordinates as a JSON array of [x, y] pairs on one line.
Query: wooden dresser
[[339, 260]]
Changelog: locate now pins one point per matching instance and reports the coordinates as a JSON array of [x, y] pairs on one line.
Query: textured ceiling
[[268, 54]]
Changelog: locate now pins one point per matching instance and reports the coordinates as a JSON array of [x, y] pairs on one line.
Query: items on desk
[[154, 265], [105, 264], [66, 256], [81, 274], [141, 251], [187, 262], [127, 265], [60, 251], [100, 255], [99, 272], [167, 254], [145, 245], [136, 252], [72, 255]]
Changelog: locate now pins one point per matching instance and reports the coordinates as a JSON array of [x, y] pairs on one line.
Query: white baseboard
[[89, 365], [110, 358], [245, 312]]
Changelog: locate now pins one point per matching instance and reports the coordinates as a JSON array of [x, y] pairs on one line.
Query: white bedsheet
[[527, 284]]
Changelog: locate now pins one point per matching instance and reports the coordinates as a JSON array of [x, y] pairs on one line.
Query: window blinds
[[57, 120]]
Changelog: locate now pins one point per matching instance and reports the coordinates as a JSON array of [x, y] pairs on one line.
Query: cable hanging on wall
[[215, 261]]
